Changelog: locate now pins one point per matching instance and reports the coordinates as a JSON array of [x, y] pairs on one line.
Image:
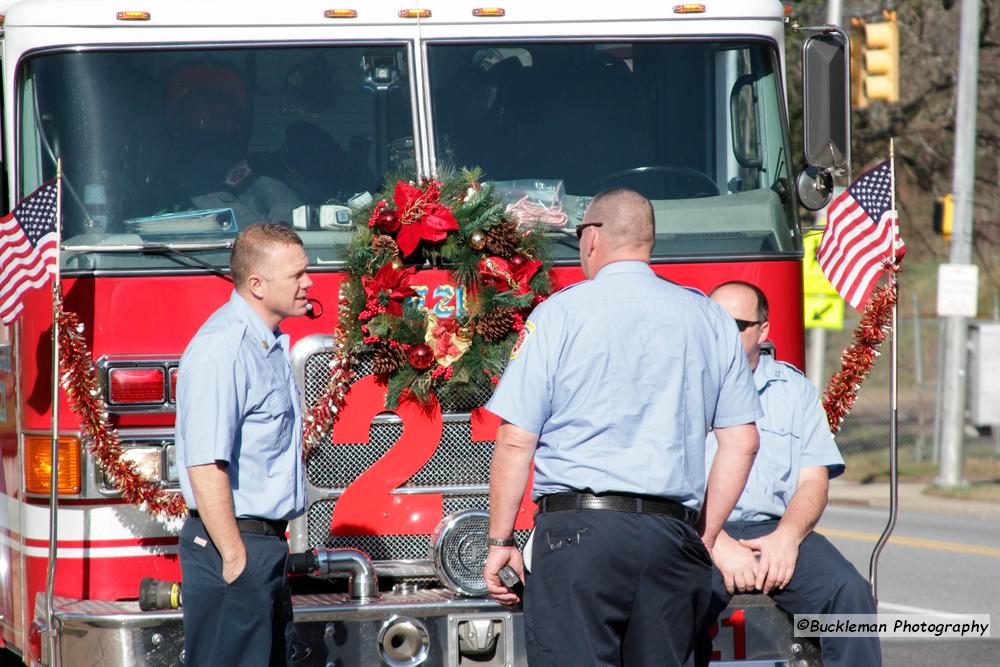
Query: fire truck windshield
[[177, 146], [181, 146], [698, 127]]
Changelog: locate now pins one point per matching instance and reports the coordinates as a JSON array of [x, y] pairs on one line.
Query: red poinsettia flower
[[423, 216], [406, 195], [392, 280], [503, 275]]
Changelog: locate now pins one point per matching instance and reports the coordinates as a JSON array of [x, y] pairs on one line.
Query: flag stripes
[[29, 248], [861, 233]]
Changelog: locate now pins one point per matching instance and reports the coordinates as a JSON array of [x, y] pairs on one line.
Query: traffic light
[[857, 35], [881, 60], [943, 209]]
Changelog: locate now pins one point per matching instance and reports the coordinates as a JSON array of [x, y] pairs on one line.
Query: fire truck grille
[[458, 462], [388, 547]]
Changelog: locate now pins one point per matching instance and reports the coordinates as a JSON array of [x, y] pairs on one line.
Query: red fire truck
[[178, 122]]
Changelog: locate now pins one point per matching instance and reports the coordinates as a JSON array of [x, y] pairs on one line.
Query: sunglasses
[[743, 325], [580, 228]]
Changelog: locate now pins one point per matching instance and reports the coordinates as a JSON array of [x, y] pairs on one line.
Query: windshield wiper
[[180, 249]]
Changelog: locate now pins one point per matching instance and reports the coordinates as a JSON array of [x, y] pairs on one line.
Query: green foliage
[[471, 375]]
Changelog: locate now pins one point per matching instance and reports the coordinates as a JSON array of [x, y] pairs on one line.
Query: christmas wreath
[[500, 265]]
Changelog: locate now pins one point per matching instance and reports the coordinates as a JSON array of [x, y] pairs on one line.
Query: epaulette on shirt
[[693, 290], [566, 289], [789, 366]]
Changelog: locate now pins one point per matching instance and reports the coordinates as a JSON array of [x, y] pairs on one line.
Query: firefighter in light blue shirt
[[612, 390], [768, 543], [239, 455]]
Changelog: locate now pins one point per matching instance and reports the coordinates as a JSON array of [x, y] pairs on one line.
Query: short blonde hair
[[627, 216], [252, 247]]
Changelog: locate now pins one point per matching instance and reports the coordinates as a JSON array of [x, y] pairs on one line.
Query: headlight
[[459, 551]]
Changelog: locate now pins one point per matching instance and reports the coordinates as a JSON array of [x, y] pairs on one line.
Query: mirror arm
[[829, 27]]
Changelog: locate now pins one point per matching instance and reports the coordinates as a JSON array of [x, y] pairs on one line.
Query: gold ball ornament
[[466, 331], [477, 240]]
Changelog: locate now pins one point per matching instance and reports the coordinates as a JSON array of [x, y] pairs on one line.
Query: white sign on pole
[[958, 290]]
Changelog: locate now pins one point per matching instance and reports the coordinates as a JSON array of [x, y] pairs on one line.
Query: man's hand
[[495, 560], [233, 568], [210, 483], [737, 563], [778, 552]]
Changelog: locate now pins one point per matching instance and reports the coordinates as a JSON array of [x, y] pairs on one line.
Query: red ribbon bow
[[444, 335]]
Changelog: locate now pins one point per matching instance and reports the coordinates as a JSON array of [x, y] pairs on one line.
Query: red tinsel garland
[[79, 379], [859, 357], [323, 414]]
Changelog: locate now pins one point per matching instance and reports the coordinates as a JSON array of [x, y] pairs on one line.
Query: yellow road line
[[912, 542]]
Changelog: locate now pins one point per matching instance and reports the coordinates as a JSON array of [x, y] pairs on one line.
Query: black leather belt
[[256, 525], [614, 502]]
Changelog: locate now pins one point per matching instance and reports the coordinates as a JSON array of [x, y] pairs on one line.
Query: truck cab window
[[190, 146], [695, 126]]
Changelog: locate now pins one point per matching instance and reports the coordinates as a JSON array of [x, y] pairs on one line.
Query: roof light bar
[[341, 14], [132, 16]]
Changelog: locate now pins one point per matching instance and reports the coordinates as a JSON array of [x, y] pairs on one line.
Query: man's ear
[[255, 284], [765, 330], [592, 244]]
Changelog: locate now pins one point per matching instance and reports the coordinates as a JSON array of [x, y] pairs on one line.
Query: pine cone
[[386, 360], [383, 243], [503, 238], [495, 324]]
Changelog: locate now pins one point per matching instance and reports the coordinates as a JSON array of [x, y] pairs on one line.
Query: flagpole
[[54, 658], [893, 408]]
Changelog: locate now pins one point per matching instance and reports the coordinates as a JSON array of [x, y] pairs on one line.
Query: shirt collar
[[624, 266], [768, 370], [261, 335]]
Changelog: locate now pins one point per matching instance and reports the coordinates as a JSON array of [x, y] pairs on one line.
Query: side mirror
[[826, 98], [814, 187]]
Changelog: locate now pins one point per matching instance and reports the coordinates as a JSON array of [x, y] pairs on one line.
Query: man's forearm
[[807, 504], [212, 492], [730, 469], [509, 474]]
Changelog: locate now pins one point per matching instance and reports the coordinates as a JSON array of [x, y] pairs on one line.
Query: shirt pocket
[[274, 414], [777, 458]]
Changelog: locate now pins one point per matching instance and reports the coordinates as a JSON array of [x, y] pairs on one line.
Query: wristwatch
[[501, 541]]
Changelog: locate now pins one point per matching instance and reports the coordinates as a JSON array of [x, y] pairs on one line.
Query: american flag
[[860, 234], [29, 248]]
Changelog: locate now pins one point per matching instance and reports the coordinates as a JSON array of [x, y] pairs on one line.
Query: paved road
[[941, 563]]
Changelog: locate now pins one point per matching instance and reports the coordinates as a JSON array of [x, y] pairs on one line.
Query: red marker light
[[127, 386]]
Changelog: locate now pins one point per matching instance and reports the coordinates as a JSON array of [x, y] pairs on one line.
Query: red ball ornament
[[421, 356], [388, 222], [517, 261]]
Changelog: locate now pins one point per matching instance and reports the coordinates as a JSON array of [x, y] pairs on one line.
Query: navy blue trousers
[[246, 623], [614, 588], [824, 582]]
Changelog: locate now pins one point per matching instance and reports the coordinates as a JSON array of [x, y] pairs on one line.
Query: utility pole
[[963, 187]]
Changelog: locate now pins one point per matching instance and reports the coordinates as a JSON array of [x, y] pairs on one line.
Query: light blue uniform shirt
[[794, 434], [622, 377], [237, 401]]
